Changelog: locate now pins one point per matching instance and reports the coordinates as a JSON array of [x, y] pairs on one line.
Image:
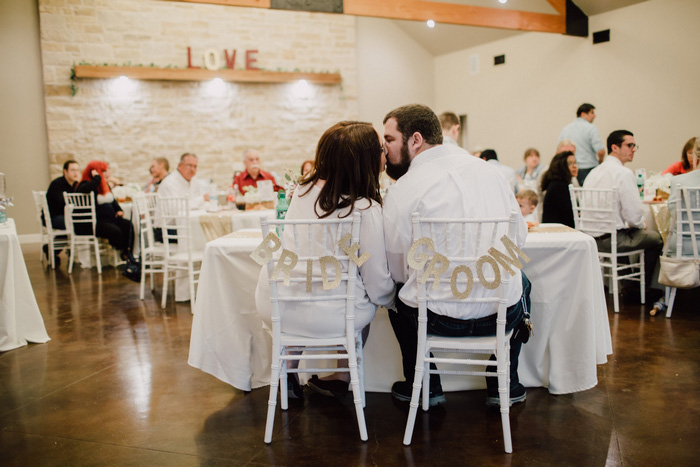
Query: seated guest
[[569, 145], [490, 156], [183, 184], [306, 167], [345, 180], [688, 160], [253, 173], [556, 207], [56, 203], [527, 199], [436, 180], [632, 232], [566, 145], [159, 170], [110, 217], [449, 122], [54, 195], [689, 179], [529, 174]]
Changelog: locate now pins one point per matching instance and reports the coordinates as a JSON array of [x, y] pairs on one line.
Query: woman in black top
[[556, 207], [110, 217]]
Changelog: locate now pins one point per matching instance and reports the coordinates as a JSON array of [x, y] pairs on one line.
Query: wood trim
[[248, 3], [418, 10], [202, 74], [451, 13], [559, 5]]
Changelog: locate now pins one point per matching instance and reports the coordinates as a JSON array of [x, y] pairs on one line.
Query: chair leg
[[671, 294], [98, 260], [284, 397], [415, 395], [357, 395], [165, 285], [615, 286], [52, 256], [190, 280], [361, 368], [642, 279], [142, 285], [272, 400], [153, 287], [72, 258], [504, 396]]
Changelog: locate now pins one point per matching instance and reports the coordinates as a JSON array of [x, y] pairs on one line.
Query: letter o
[[497, 272], [470, 282], [212, 61]]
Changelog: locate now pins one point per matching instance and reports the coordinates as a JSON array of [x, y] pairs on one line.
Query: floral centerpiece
[[126, 193], [253, 200], [659, 186]]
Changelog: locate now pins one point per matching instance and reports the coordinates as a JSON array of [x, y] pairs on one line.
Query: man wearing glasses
[[182, 182], [632, 233]]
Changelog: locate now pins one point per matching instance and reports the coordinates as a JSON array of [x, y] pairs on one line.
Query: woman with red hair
[[110, 217]]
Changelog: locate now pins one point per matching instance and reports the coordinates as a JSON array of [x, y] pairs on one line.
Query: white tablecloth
[[571, 336], [20, 318], [239, 220]]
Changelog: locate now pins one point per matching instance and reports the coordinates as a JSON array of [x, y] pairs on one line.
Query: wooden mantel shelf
[[202, 74]]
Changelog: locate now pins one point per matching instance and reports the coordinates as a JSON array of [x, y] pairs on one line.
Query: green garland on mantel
[[74, 88]]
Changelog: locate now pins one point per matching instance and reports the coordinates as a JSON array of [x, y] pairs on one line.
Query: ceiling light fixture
[[430, 23], [503, 2]]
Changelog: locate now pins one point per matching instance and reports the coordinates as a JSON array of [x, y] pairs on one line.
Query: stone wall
[[129, 123]]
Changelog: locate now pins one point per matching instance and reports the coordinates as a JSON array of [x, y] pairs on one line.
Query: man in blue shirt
[[589, 146]]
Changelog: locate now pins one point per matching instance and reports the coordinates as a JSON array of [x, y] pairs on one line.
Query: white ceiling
[[446, 38]]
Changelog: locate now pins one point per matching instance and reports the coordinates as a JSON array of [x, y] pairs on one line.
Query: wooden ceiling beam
[[451, 13], [559, 5], [421, 10]]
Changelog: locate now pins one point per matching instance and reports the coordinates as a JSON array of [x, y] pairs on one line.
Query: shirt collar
[[613, 160], [436, 152]]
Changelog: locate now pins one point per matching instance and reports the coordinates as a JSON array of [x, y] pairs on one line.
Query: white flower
[[658, 182]]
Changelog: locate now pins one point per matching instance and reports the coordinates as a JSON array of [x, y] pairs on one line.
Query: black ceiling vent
[[576, 20], [601, 36], [499, 59]]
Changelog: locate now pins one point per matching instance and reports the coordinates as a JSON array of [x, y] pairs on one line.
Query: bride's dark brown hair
[[348, 159]]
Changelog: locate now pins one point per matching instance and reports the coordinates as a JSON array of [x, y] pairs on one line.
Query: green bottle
[[282, 206]]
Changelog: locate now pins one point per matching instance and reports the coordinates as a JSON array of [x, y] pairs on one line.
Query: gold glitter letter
[[309, 270], [417, 261], [497, 272], [433, 270], [513, 252], [325, 261], [263, 253], [350, 250], [286, 268], [470, 282]]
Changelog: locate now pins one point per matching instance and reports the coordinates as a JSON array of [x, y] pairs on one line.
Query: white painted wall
[[393, 70], [23, 145], [644, 80]]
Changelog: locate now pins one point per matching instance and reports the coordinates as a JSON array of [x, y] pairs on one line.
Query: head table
[[571, 334], [20, 318]]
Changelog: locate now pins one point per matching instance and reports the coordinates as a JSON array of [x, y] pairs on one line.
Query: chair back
[[319, 269], [151, 203], [39, 202], [145, 217], [173, 215], [594, 212], [80, 213], [687, 222], [465, 278]]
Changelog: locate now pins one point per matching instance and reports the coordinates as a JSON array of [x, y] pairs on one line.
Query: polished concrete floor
[[113, 387]]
